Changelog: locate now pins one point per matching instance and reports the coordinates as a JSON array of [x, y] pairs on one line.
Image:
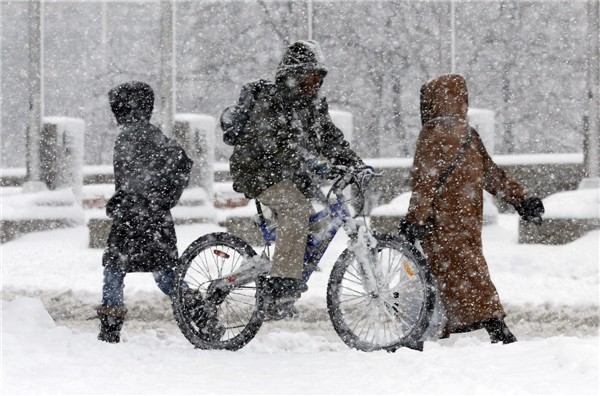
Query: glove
[[321, 168], [531, 210], [411, 231], [365, 173]]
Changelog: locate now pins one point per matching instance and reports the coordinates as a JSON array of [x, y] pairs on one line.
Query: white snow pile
[[44, 205], [40, 357], [98, 191], [578, 204], [397, 206]]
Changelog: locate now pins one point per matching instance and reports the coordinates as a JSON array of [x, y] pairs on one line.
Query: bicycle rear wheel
[[397, 313], [209, 258]]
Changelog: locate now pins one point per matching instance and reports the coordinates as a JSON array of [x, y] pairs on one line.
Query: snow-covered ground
[[551, 294]]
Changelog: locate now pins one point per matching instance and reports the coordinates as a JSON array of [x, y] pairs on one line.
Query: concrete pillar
[[196, 134], [36, 102], [61, 154], [167, 65], [592, 127], [344, 121], [447, 29], [483, 121], [309, 13], [1, 145], [300, 9]]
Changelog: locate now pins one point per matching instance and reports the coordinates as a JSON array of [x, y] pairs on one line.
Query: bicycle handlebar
[[348, 175]]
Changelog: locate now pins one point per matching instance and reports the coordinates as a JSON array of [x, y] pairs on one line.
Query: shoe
[[280, 295], [281, 311], [498, 331], [111, 323], [414, 345], [204, 316], [282, 288]]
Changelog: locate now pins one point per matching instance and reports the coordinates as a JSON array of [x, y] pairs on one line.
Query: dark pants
[[112, 290]]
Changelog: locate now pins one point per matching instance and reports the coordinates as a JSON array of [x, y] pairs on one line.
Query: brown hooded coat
[[454, 213]]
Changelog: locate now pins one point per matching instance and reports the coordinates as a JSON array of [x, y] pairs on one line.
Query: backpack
[[234, 118]]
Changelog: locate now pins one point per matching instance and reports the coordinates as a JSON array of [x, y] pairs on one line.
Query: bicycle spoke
[[239, 294], [242, 310], [355, 305], [206, 266], [195, 280], [235, 313], [349, 280], [368, 322], [352, 290], [354, 275], [365, 313], [376, 336], [350, 299], [222, 260], [237, 260], [227, 317], [393, 320], [242, 302], [204, 274], [200, 262]]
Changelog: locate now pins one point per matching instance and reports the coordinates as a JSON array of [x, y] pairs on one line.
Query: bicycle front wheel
[[396, 312]]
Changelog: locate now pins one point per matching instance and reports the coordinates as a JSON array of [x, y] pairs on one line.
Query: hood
[[132, 101], [301, 58], [444, 96]]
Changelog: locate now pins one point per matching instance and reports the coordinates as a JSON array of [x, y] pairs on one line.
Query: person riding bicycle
[[290, 139], [151, 172], [447, 215]]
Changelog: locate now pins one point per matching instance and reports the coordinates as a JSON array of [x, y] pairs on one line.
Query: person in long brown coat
[[448, 215]]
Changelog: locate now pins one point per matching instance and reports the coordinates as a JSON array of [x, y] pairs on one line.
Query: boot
[[111, 323], [280, 295], [204, 315], [498, 331]]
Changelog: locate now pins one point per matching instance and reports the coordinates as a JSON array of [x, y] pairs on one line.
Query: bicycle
[[380, 294]]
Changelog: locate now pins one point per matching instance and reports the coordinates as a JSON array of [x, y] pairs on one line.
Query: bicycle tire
[[189, 272], [345, 314]]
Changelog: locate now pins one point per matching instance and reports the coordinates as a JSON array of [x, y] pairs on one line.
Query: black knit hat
[[131, 102], [302, 57]]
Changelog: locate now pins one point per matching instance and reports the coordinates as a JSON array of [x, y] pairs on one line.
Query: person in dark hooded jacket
[[291, 138], [151, 172]]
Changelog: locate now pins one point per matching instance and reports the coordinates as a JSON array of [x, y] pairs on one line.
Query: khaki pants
[[293, 211]]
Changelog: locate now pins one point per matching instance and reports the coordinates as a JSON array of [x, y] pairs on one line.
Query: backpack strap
[[445, 174]]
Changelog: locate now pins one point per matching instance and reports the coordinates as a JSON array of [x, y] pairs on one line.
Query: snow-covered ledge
[[569, 215], [23, 213], [385, 218]]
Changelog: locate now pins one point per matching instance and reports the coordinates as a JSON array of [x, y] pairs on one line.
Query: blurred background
[[524, 60]]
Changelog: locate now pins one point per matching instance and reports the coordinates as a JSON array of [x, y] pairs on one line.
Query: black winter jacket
[[151, 172], [287, 129]]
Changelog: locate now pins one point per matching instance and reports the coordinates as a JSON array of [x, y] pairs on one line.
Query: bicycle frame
[[317, 243]]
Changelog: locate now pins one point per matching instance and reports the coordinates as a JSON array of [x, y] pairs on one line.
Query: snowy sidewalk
[[39, 357], [548, 290]]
